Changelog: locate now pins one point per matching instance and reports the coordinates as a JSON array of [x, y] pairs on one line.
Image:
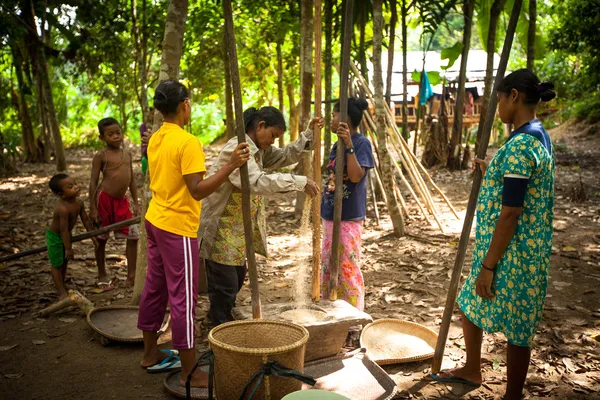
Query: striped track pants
[[172, 277]]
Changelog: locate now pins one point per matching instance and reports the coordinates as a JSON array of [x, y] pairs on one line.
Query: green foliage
[[588, 109], [451, 54], [576, 33]]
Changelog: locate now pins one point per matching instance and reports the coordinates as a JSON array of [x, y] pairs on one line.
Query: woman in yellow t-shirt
[[176, 167]]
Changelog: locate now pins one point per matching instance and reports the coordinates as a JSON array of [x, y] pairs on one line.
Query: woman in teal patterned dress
[[506, 289]]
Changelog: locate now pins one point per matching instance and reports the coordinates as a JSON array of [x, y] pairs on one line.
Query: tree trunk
[[454, 160], [280, 87], [294, 108], [390, 52], [306, 83], [140, 61], [362, 51], [328, 85], [172, 47], [229, 119], [405, 131], [39, 62], [531, 34], [495, 11], [385, 162], [31, 154]]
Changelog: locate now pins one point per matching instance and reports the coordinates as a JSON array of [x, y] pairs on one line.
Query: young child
[[176, 167], [358, 161], [108, 201], [58, 236]]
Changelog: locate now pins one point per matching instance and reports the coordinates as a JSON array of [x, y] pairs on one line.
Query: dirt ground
[[60, 357]]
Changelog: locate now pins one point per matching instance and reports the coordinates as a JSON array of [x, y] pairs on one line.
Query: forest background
[[66, 64]]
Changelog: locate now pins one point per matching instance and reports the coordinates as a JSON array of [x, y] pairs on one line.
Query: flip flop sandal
[[168, 364], [453, 379], [105, 286], [170, 354]]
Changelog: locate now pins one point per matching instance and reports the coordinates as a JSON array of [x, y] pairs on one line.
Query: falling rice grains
[[301, 286]]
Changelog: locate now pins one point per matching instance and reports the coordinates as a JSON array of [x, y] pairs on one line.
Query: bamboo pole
[[410, 189], [341, 152], [378, 173], [420, 189], [77, 238], [241, 135], [316, 203], [423, 169], [464, 237], [374, 198], [392, 123]]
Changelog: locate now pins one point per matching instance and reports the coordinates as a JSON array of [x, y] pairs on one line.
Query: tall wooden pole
[[316, 202], [464, 237], [340, 153], [241, 135]]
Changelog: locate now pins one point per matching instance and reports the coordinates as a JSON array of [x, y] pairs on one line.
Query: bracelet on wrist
[[488, 268]]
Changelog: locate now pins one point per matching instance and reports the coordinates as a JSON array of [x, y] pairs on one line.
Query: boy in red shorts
[[108, 201]]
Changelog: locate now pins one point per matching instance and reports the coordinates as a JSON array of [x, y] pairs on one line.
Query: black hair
[[271, 115], [168, 95], [104, 122], [356, 106], [526, 82], [55, 181]]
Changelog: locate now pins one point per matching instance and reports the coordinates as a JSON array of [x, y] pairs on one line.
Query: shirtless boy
[[108, 201], [58, 236]]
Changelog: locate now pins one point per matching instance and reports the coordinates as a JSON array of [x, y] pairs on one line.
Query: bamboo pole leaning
[[470, 214], [241, 135], [421, 189], [376, 150], [405, 149], [341, 151], [76, 238], [316, 202]]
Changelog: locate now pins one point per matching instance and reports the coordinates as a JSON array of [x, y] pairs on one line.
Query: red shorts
[[112, 210]]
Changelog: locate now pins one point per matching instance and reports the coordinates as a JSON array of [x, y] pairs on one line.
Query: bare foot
[[63, 295], [199, 380], [130, 282], [474, 377], [153, 360]]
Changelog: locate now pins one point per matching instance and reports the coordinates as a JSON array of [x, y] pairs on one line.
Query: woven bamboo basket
[[241, 348], [393, 341]]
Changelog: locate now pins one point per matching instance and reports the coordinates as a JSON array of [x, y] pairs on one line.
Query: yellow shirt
[[173, 153]]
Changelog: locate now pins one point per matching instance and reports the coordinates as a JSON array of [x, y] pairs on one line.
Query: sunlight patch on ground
[[22, 182]]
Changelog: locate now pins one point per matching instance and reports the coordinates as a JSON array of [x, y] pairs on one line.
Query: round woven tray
[[172, 386], [393, 341], [118, 323]]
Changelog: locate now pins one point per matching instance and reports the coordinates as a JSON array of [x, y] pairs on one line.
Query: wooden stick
[[392, 123], [341, 152], [378, 173], [414, 178], [402, 202], [74, 299], [77, 238], [464, 237], [241, 135], [374, 198], [410, 189], [316, 203]]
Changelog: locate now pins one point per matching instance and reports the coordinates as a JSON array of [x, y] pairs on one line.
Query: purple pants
[[172, 277]]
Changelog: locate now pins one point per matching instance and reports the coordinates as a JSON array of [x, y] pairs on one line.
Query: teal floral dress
[[521, 275]]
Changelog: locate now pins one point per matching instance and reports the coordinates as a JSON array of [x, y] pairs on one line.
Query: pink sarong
[[351, 286]]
